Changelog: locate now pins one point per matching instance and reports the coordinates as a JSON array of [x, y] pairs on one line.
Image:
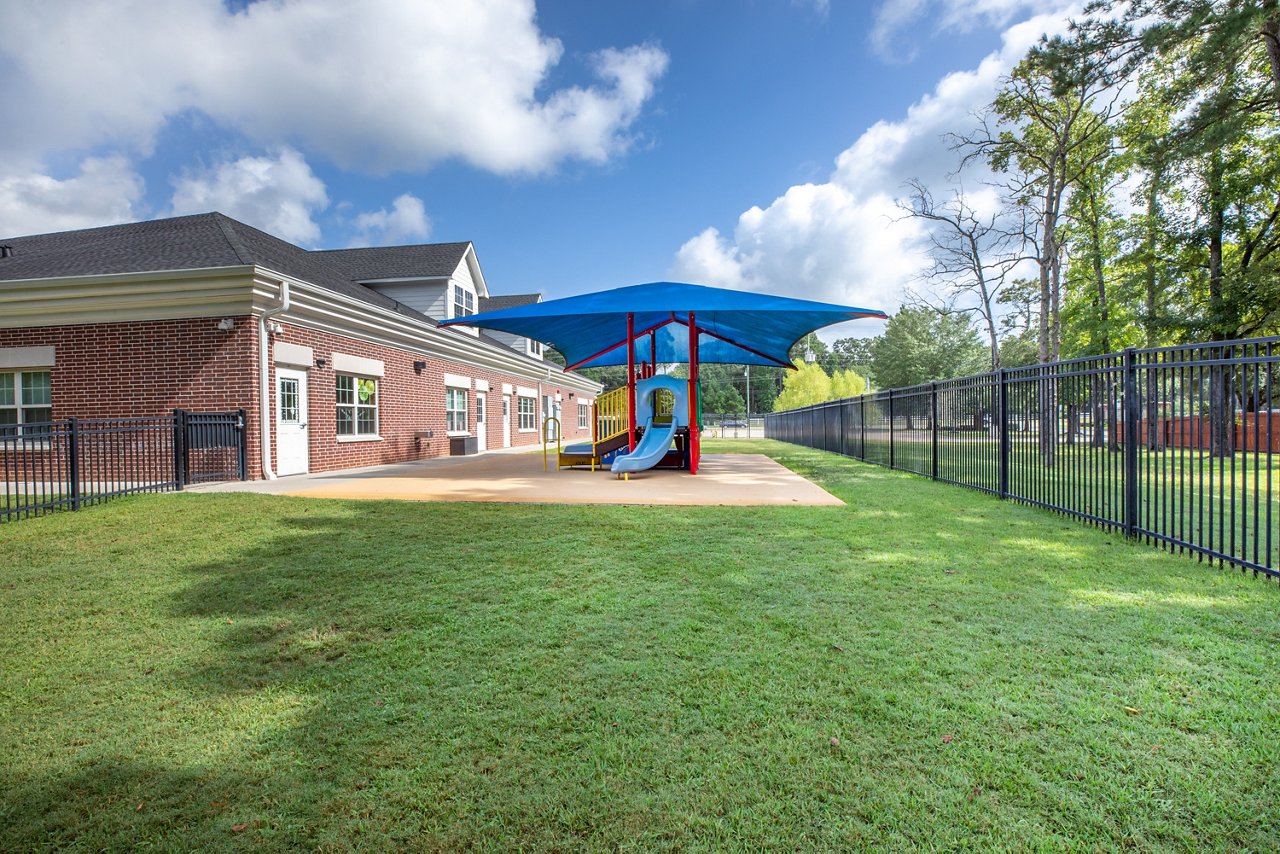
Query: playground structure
[[657, 418], [663, 429]]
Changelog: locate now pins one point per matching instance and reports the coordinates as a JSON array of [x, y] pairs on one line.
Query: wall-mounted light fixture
[[418, 367], [275, 328], [227, 324], [321, 362]]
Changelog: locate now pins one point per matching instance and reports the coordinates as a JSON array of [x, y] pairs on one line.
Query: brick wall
[[147, 368], [409, 403]]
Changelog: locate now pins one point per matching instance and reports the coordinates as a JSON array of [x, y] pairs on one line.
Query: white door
[[482, 425], [506, 421], [291, 421]]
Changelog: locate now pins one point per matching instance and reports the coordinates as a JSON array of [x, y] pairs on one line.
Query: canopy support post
[[631, 382], [695, 439]]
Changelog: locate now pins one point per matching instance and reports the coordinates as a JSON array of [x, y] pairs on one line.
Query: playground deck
[[724, 479]]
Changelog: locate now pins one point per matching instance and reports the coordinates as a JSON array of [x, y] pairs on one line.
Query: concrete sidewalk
[[722, 479]]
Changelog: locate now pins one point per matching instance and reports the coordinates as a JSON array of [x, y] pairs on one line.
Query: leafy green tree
[[852, 354], [848, 383], [919, 345], [807, 385]]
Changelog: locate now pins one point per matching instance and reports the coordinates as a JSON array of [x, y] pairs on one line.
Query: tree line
[[1133, 164]]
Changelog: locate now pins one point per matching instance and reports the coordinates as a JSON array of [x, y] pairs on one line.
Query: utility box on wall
[[461, 446]]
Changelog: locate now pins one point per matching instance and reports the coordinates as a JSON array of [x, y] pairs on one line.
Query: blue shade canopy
[[735, 327]]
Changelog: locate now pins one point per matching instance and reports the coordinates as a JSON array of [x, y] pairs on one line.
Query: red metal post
[[695, 443], [631, 382]]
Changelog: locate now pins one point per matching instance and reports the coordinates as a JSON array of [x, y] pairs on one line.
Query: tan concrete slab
[[722, 479]]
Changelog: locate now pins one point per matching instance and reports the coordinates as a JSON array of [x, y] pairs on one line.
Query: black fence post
[[1131, 414], [179, 448], [890, 428], [862, 411], [1002, 420], [243, 455], [73, 460], [933, 424]]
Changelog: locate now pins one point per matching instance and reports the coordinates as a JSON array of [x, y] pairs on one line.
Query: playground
[[722, 480], [655, 420]]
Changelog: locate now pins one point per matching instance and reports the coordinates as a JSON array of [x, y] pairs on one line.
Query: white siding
[[462, 276], [426, 297]]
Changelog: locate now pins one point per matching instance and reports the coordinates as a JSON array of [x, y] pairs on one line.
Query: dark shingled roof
[[426, 260], [508, 301], [210, 240]]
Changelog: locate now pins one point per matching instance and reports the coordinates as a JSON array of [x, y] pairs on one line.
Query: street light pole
[[748, 401]]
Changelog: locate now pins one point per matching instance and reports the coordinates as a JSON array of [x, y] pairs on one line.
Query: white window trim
[[18, 405], [466, 414], [376, 435], [534, 400], [454, 289]]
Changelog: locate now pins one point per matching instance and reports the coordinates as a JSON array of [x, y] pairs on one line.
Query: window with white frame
[[25, 398], [464, 302], [357, 405], [535, 347], [583, 411], [527, 413], [455, 410]]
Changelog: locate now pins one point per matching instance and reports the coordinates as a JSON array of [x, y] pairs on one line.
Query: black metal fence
[[79, 462], [1178, 445]]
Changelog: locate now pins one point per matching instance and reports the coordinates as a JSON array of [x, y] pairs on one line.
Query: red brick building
[[340, 348]]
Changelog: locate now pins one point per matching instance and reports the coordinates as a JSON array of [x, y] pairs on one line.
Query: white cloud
[[406, 222], [378, 86], [277, 193], [106, 191], [845, 240], [890, 36]]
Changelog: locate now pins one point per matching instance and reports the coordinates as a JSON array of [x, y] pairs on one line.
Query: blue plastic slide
[[653, 446]]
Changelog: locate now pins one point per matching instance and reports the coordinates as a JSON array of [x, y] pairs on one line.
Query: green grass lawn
[[925, 667]]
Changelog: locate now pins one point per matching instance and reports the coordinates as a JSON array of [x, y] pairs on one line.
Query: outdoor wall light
[[227, 324], [320, 363], [418, 366]]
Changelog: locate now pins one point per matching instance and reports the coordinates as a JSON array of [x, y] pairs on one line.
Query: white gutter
[[264, 378]]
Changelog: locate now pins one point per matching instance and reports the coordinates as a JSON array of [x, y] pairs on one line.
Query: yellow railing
[[546, 438], [611, 415]]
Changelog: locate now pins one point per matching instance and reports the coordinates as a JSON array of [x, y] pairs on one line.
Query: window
[[357, 406], [464, 302], [24, 399], [535, 347], [582, 415], [526, 411], [455, 410]]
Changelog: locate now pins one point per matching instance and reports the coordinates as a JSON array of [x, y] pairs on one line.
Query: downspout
[[264, 378]]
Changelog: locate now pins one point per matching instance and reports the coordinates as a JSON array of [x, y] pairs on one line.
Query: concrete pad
[[722, 479]]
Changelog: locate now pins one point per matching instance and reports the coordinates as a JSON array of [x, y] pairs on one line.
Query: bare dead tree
[[1044, 131], [973, 255]]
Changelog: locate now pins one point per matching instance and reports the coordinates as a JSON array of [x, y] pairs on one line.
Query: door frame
[[482, 421], [506, 421], [303, 416]]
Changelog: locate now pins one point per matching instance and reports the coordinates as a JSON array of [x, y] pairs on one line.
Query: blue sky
[[581, 145]]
